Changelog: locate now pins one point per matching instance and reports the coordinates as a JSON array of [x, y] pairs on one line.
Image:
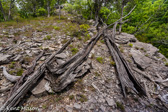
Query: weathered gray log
[[125, 75], [21, 92], [58, 83], [24, 76]]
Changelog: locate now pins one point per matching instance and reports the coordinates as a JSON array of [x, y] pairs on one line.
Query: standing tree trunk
[[59, 9], [11, 6], [97, 7], [34, 7], [2, 11], [122, 8], [48, 7]]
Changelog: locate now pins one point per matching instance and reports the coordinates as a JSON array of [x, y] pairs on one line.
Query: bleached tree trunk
[[2, 11], [11, 6], [48, 7]]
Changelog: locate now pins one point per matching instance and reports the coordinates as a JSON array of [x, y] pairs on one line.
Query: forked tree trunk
[[2, 11]]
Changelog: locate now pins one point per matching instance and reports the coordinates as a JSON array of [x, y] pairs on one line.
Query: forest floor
[[99, 90]]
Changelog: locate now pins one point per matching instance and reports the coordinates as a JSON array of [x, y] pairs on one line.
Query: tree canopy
[[149, 20]]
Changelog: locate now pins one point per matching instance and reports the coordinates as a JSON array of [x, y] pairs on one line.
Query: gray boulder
[[140, 60], [4, 59]]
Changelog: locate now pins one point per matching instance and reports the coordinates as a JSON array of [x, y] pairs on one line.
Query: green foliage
[[120, 106], [112, 63], [83, 98], [97, 74], [41, 12], [104, 12], [71, 97], [74, 51], [99, 59], [57, 28], [166, 64], [48, 37], [12, 65], [19, 72], [130, 45], [84, 27]]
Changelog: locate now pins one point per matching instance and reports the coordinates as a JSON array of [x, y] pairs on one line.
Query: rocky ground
[[99, 89]]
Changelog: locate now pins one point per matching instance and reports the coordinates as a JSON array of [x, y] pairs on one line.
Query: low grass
[[130, 45], [99, 59], [166, 64], [74, 51], [120, 106]]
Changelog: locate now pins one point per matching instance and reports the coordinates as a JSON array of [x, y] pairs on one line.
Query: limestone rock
[[140, 60], [110, 101], [40, 89], [61, 55], [60, 61], [4, 59], [77, 106]]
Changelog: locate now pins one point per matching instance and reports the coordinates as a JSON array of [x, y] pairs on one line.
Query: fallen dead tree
[[17, 95], [124, 72], [64, 74]]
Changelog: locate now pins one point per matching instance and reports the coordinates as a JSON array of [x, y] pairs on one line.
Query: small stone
[[103, 108], [91, 34], [77, 106], [40, 89], [4, 59], [110, 101], [18, 58], [61, 55], [43, 58], [69, 109], [28, 53], [60, 61], [48, 88], [87, 67], [11, 36]]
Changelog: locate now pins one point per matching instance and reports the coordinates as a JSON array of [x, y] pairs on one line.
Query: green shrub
[[74, 51], [41, 12], [166, 64], [99, 59], [104, 12], [19, 72], [48, 37], [84, 27], [57, 28], [113, 63], [130, 45], [97, 74], [120, 106], [71, 97], [12, 65], [83, 98]]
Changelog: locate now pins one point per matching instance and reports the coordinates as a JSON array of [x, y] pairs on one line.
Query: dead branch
[[26, 74], [22, 90], [8, 76]]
